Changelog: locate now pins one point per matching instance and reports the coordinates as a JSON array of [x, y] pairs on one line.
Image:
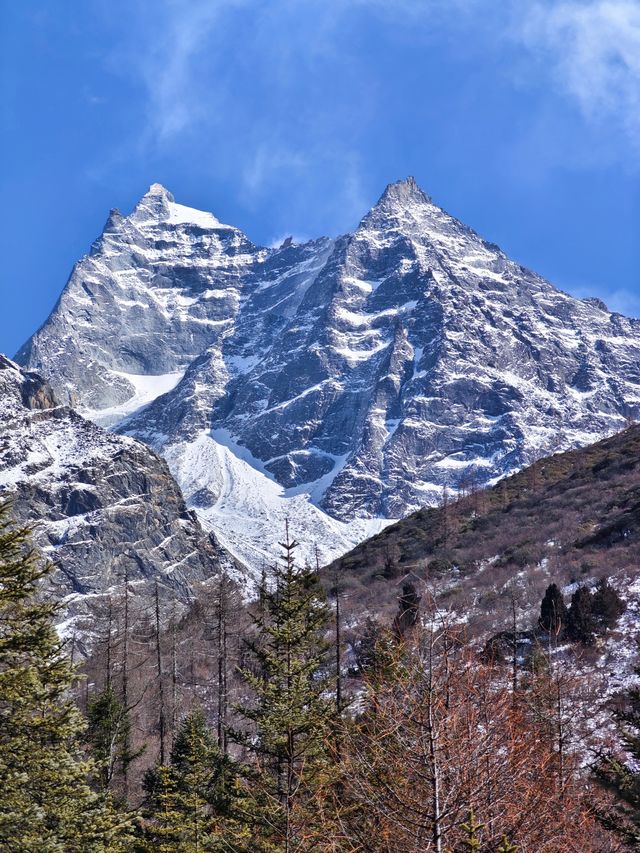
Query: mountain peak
[[158, 205], [398, 198], [406, 190], [155, 205], [159, 191]]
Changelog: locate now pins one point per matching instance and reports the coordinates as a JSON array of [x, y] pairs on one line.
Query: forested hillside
[[570, 518], [443, 692]]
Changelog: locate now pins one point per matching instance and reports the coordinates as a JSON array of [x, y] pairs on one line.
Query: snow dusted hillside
[[571, 519], [102, 505], [339, 383], [247, 509]]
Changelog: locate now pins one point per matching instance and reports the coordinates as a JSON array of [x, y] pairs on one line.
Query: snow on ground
[[235, 496], [180, 213], [146, 390], [247, 510]]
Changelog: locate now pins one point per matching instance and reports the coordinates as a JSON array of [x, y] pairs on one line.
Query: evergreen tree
[[198, 765], [582, 625], [46, 804], [408, 610], [472, 830], [606, 605], [374, 651], [538, 660], [290, 713], [391, 569], [553, 611], [164, 824], [364, 646], [108, 734], [190, 801]]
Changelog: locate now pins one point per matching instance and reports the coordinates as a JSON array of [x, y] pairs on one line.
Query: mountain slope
[[355, 378], [101, 505], [421, 353], [487, 558], [572, 517], [159, 288]]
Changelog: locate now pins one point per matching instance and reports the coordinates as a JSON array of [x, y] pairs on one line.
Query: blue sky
[[290, 116]]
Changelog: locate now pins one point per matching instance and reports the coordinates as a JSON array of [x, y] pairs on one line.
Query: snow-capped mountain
[[101, 505], [334, 381]]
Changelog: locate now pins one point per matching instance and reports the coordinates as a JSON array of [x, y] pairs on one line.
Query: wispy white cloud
[[167, 64], [623, 301], [267, 161], [620, 299], [191, 60], [590, 48], [592, 51], [192, 84]]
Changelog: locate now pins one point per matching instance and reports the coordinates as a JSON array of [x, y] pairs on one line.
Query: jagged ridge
[[367, 372]]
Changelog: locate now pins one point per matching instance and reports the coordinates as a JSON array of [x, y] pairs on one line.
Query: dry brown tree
[[445, 757]]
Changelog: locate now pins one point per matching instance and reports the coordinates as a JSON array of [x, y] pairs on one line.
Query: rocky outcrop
[[102, 506]]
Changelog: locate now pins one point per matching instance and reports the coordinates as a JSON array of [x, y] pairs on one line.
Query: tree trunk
[[174, 678], [222, 664], [161, 718], [125, 684]]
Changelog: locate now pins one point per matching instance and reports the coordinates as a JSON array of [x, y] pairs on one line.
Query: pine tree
[[538, 660], [391, 569], [227, 612], [198, 764], [472, 830], [553, 611], [290, 713], [164, 827], [606, 605], [581, 625], [408, 610], [374, 651], [46, 804], [190, 801], [364, 646], [108, 734]]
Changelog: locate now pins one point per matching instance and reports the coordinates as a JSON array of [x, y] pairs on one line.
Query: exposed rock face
[[158, 289], [367, 372], [100, 503]]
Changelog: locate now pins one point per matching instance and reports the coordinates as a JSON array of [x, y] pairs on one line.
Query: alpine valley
[[339, 383], [345, 535]]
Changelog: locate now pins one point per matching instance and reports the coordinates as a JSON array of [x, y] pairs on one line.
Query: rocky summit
[[104, 507], [339, 383]]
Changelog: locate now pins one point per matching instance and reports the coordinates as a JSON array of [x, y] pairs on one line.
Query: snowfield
[[247, 510]]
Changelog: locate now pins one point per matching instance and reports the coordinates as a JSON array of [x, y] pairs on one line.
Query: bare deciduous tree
[[444, 744]]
